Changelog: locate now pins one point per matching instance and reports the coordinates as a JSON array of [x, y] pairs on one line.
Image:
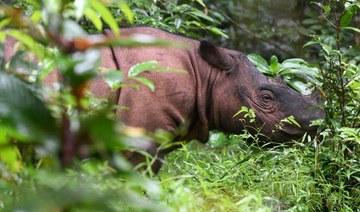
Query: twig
[[243, 28]]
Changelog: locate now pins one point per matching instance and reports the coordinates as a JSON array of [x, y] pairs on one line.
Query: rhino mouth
[[291, 132]]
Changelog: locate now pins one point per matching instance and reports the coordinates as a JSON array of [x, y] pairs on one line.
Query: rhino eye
[[266, 97]]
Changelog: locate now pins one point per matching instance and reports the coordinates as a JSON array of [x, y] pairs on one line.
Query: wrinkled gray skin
[[217, 84]]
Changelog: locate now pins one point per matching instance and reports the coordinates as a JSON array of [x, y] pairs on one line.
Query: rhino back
[[173, 102]]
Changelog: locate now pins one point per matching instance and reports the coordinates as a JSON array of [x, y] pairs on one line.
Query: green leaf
[[310, 43], [243, 109], [299, 65], [4, 22], [36, 16], [105, 15], [146, 82], [142, 67], [114, 78], [21, 109], [346, 18], [326, 48], [28, 41], [127, 11], [274, 65], [34, 3], [9, 155], [151, 65], [325, 8], [177, 23], [218, 31], [353, 29], [201, 3], [350, 131], [259, 62], [47, 68], [291, 120], [94, 18], [200, 14]]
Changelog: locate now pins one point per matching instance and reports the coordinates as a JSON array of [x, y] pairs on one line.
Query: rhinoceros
[[217, 83]]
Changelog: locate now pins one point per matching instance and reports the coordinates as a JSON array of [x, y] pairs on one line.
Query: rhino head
[[242, 84]]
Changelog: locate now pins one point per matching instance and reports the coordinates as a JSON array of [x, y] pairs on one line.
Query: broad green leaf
[[291, 120], [350, 131], [350, 134], [296, 64], [146, 82], [10, 155], [2, 37], [326, 48], [242, 110], [4, 22], [259, 62], [218, 31], [35, 3], [201, 2], [310, 43], [200, 14], [217, 139], [353, 29], [102, 128], [310, 21], [325, 8], [114, 78], [298, 86], [192, 23], [105, 15], [142, 67], [36, 16], [127, 11], [151, 65], [28, 41], [48, 66], [177, 23], [21, 109], [94, 18], [274, 65], [346, 18]]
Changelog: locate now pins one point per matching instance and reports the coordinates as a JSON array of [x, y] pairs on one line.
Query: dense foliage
[[62, 150]]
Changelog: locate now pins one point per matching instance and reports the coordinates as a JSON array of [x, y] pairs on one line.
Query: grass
[[226, 174], [240, 176]]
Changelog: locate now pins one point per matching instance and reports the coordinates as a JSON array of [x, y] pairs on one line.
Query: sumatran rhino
[[217, 84]]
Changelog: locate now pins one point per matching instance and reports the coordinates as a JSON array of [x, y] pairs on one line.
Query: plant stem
[[342, 94]]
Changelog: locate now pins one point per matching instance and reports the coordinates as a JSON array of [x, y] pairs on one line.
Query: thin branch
[[327, 20], [243, 28]]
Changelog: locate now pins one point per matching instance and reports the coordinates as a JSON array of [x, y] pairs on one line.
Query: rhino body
[[217, 84]]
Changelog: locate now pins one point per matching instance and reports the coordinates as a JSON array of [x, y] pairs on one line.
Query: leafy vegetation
[[66, 148]]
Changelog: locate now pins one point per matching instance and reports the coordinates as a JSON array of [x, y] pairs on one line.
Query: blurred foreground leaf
[[23, 110]]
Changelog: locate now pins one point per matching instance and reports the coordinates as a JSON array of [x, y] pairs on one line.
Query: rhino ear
[[216, 56]]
